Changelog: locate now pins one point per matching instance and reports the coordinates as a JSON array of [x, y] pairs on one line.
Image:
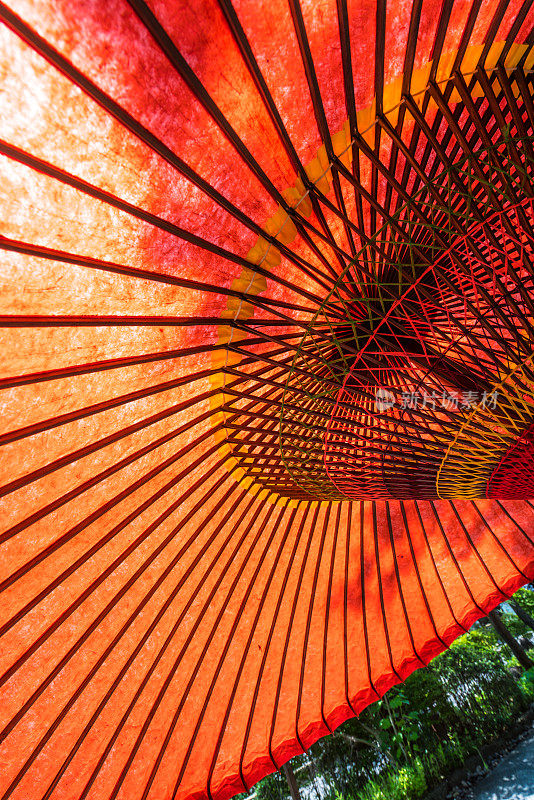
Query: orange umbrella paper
[[267, 386]]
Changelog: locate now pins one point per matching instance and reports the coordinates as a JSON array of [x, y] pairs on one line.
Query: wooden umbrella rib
[[62, 540], [223, 550], [103, 366], [411, 46], [270, 636], [439, 38], [394, 158], [98, 321], [285, 653], [133, 616], [418, 575], [315, 94], [248, 56], [476, 552], [474, 11], [252, 65], [434, 565], [384, 622], [27, 34], [493, 28], [96, 408], [529, 539], [454, 559], [179, 705], [40, 251], [399, 586], [230, 557], [253, 628], [380, 52], [102, 576], [349, 508], [515, 28], [363, 594], [122, 433], [333, 553], [167, 45], [350, 103], [498, 543]]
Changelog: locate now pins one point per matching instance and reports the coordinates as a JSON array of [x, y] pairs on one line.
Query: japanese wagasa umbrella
[[267, 386]]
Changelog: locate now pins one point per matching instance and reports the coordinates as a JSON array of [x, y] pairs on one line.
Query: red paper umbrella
[[267, 381]]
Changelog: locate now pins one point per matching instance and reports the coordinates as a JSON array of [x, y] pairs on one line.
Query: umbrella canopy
[[267, 383]]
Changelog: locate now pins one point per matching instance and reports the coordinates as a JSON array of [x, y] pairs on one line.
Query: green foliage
[[273, 787], [406, 743], [525, 597], [407, 783], [526, 681]]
